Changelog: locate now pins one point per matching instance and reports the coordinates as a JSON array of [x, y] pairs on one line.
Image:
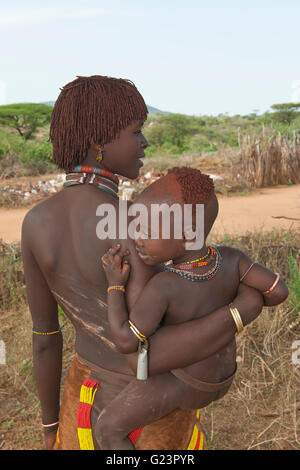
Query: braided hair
[[90, 110]]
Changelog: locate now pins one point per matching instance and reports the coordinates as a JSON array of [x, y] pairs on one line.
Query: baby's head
[[181, 187]]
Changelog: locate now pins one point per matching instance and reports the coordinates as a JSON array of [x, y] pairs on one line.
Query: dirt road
[[271, 207], [277, 207]]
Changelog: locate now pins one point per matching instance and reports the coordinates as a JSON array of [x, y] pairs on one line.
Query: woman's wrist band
[[121, 288], [236, 318], [273, 285]]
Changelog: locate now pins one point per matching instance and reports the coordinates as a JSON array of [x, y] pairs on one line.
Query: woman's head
[[94, 111]]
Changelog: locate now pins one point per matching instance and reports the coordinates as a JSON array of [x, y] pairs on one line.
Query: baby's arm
[[147, 311], [272, 287]]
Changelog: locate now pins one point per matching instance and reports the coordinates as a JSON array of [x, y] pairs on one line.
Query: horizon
[[158, 109], [193, 59]]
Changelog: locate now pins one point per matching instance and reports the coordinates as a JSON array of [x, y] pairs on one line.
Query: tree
[[176, 129], [285, 112], [26, 118]]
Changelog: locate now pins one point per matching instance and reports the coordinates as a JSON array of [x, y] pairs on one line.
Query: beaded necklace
[[197, 277], [196, 263], [99, 177], [209, 250], [190, 267]]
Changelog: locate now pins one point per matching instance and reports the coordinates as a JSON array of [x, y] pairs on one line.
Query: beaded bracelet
[[47, 332], [121, 288]]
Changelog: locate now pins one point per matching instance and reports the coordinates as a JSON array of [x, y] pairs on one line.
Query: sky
[[192, 57]]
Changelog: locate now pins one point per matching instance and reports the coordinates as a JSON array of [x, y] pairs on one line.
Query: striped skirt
[[180, 430]]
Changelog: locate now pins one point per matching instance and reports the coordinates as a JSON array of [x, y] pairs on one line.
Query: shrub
[[38, 157]]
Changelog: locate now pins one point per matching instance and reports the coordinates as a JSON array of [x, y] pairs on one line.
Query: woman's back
[[62, 233]]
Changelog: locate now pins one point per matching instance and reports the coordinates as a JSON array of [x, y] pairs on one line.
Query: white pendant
[[142, 362]]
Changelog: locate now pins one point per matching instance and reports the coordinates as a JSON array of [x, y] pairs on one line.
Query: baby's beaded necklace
[[193, 276], [196, 263]]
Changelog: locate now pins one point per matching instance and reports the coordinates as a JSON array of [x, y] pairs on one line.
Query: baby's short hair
[[196, 187], [185, 185]]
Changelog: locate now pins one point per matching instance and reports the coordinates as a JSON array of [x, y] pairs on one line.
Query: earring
[[99, 155]]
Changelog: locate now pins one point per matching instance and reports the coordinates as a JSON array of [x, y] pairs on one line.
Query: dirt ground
[[277, 207], [264, 209]]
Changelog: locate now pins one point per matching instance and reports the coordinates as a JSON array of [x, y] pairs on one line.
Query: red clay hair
[[196, 187], [92, 110]]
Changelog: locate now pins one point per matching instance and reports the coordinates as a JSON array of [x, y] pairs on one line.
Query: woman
[[96, 123]]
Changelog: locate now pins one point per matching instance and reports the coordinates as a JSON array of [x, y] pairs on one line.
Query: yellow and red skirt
[[180, 430]]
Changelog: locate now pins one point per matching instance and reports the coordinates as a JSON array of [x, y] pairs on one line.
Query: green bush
[[38, 157], [178, 133], [24, 157], [24, 152], [10, 143]]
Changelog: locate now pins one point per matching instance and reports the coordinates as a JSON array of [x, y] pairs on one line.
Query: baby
[[197, 282]]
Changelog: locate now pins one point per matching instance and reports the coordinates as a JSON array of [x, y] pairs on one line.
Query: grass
[[263, 406], [294, 284], [261, 411], [264, 402], [19, 405]]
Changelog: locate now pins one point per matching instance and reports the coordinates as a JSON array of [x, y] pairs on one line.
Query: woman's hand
[[116, 270]]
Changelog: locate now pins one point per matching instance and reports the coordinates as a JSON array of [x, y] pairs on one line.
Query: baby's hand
[[116, 273]]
